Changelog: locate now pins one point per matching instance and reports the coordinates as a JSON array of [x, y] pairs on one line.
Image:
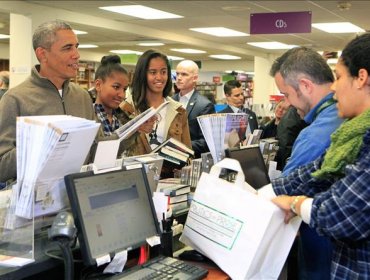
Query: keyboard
[[163, 268]]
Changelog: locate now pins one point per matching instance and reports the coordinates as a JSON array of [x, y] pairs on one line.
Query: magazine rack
[[16, 233]]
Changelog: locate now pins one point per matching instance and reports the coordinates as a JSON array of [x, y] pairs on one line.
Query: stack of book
[[174, 151], [177, 193]]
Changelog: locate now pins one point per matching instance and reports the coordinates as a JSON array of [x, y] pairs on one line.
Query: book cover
[[222, 131], [236, 128], [133, 125]]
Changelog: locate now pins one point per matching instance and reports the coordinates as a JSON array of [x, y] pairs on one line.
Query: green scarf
[[345, 145]]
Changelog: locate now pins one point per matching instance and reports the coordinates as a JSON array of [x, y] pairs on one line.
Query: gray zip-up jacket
[[36, 96]]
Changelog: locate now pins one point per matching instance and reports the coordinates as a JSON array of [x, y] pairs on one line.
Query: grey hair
[[44, 35], [307, 63]]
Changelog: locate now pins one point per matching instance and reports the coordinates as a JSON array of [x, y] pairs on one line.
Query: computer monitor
[[252, 164], [113, 211]]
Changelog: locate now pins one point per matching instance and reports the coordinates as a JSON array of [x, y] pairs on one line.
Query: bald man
[[196, 104]]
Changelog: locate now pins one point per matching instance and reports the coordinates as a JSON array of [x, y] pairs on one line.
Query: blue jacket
[[315, 138]]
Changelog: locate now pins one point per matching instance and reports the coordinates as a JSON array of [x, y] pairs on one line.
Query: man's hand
[[284, 202]]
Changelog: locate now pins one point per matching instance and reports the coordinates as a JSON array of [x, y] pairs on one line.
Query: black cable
[[53, 253], [64, 245]]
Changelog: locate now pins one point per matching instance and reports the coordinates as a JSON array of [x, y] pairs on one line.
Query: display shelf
[[209, 90], [85, 75]]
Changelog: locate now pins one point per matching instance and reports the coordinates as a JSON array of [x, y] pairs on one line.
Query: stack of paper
[[48, 148], [222, 131]]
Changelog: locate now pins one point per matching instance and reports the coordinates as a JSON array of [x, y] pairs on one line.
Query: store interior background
[[113, 31]]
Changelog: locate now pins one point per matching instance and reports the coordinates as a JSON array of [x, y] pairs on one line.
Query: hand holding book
[[147, 126], [139, 121]]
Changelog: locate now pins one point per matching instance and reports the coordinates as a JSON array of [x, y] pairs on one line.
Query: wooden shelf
[[85, 74]]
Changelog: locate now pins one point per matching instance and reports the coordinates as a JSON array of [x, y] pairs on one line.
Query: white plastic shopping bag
[[242, 233]]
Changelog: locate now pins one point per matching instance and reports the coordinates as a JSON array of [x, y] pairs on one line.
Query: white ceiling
[[114, 31]]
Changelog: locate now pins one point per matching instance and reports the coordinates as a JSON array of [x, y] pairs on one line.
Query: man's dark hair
[[230, 85]]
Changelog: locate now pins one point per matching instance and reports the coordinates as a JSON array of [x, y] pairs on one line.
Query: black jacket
[[198, 105]]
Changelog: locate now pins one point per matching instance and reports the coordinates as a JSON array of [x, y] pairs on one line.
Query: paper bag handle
[[231, 164]]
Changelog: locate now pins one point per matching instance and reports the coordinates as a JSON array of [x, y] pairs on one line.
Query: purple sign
[[279, 23]]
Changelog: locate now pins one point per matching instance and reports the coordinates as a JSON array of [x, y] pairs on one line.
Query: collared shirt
[[108, 128], [313, 140], [340, 210], [184, 99], [235, 109]]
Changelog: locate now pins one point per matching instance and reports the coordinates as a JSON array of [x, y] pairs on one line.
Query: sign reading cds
[[279, 23]]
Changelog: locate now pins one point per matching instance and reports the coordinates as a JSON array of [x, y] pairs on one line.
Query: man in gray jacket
[[47, 91]]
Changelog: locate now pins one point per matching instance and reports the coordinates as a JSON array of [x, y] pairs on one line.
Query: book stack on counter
[[177, 193], [175, 152]]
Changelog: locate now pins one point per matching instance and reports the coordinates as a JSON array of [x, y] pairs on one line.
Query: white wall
[[4, 51]]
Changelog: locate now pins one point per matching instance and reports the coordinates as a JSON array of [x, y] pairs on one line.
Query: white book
[[133, 125]]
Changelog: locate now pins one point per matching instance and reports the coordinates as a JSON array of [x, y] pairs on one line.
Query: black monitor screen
[[252, 163], [112, 211]]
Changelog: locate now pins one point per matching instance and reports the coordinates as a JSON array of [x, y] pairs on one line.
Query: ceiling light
[[220, 32], [171, 57], [4, 36], [79, 32], [125, 52], [87, 46], [332, 61], [344, 6], [150, 44], [272, 45], [338, 27], [188, 51], [235, 8], [140, 12], [225, 56]]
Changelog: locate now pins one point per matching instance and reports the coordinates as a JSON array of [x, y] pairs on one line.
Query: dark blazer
[[252, 119], [198, 105]]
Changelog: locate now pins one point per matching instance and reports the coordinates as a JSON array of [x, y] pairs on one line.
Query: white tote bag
[[244, 234]]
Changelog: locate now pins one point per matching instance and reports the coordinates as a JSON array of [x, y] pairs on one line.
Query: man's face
[[294, 97], [60, 63], [185, 79], [236, 98]]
